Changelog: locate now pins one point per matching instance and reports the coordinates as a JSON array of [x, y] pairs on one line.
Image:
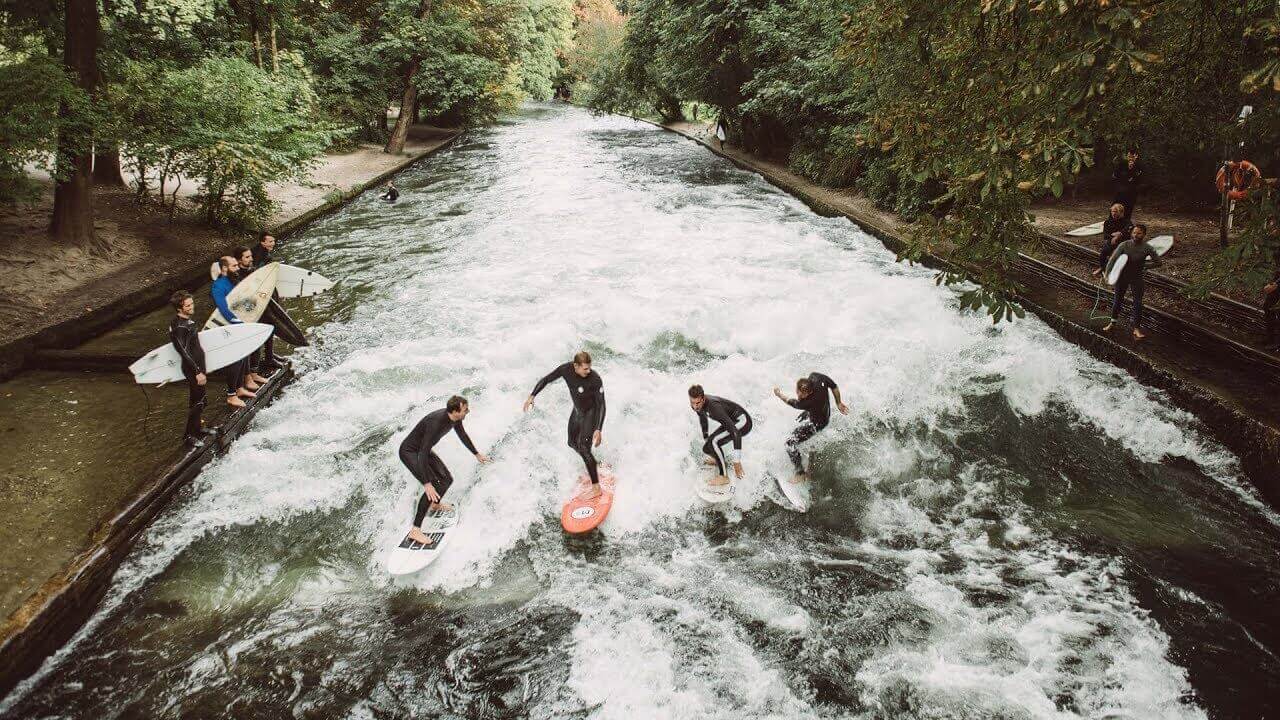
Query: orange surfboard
[[582, 516]]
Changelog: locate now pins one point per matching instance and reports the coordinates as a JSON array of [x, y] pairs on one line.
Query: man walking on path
[[186, 340], [1138, 252], [811, 397], [417, 454], [1128, 181], [586, 422]]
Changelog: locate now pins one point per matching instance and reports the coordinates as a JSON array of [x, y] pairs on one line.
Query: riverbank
[[87, 459], [1203, 354]]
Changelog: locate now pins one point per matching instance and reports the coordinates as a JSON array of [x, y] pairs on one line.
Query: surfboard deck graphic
[[409, 556], [582, 516]]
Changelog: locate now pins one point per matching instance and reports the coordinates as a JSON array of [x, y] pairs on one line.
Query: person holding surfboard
[[245, 257], [417, 454], [1115, 230], [239, 384], [1137, 251], [734, 424], [586, 422], [811, 398], [184, 336]]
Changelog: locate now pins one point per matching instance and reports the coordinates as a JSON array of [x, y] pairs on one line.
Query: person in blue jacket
[[239, 385]]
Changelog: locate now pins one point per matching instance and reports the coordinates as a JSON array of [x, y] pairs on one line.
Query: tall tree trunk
[[72, 220], [257, 46], [417, 111], [106, 166], [275, 58], [395, 144]]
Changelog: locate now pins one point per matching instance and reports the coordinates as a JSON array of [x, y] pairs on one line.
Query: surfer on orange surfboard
[[586, 422]]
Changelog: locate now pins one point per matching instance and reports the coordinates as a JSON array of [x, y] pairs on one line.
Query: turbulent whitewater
[[1002, 527]]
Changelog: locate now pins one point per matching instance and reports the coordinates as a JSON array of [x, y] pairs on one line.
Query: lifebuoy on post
[[1244, 175]]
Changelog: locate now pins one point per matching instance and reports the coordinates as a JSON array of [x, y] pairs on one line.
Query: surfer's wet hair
[[240, 251], [456, 403], [178, 298], [695, 391], [803, 386], [582, 358]]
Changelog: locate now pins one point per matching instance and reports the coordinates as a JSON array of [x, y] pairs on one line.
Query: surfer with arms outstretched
[[417, 454], [734, 424], [586, 422], [811, 398]]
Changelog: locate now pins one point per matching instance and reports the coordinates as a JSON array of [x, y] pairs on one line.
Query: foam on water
[[576, 232]]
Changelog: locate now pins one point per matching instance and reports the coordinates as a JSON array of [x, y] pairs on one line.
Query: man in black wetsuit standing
[[811, 397], [417, 454], [1138, 251], [734, 424], [184, 336], [586, 422]]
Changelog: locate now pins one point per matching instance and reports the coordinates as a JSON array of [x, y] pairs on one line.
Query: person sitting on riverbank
[[391, 194], [1137, 252], [1127, 177], [1115, 230], [417, 454], [811, 398], [735, 424], [239, 384], [185, 339]]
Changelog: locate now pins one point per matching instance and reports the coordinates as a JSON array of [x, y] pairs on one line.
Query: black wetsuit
[[1128, 180], [1110, 227], [588, 411], [416, 453], [734, 422], [391, 195], [262, 256], [816, 415], [185, 339], [1131, 276]]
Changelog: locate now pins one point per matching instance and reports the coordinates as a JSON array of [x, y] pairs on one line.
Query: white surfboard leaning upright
[[222, 346], [408, 557], [1160, 243], [250, 297], [1087, 230], [294, 282]]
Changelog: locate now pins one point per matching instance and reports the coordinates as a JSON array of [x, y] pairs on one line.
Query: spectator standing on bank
[[1127, 177]]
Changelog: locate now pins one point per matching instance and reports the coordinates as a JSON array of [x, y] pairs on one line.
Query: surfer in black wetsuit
[[586, 422], [1138, 251], [811, 397], [734, 424], [262, 251], [246, 258], [416, 453], [391, 194], [185, 339]]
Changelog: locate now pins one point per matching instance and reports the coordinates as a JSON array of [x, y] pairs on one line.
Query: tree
[[72, 220], [409, 96]]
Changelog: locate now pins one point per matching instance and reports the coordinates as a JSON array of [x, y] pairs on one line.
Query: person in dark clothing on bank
[[811, 397], [185, 338], [390, 194], [1127, 176], [1138, 252], [417, 454], [1270, 310], [586, 422], [734, 424], [1115, 230]]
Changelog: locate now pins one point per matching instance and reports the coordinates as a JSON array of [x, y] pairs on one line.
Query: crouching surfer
[[586, 422], [734, 424], [811, 398], [417, 454]]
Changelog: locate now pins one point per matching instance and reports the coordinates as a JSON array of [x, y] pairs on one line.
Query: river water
[[1003, 527]]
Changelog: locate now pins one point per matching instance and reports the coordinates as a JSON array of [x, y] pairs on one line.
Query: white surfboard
[[222, 346], [409, 557], [796, 493], [1160, 243], [250, 297], [1087, 230], [715, 494], [294, 282]]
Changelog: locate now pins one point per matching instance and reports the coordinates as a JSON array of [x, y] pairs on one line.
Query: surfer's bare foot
[[1108, 327], [417, 535], [245, 392], [234, 401], [709, 461], [257, 378], [1096, 273], [591, 494], [249, 384], [1138, 334], [719, 480], [442, 507]]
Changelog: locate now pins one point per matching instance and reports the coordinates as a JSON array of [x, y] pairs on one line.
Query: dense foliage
[[958, 113]]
